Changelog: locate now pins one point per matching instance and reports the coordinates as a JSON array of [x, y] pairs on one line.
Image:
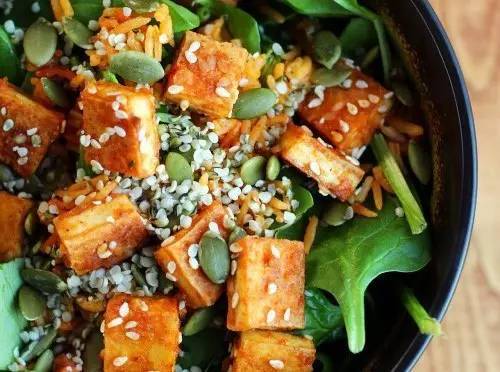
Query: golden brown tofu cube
[[271, 351], [13, 212], [141, 334], [27, 130], [348, 118], [173, 258], [94, 236], [206, 73], [267, 290], [334, 173], [120, 130]]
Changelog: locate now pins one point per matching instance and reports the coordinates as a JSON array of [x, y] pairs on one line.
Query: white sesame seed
[[182, 305], [276, 364], [193, 262], [399, 212], [143, 306], [120, 132], [373, 98], [277, 49], [112, 244], [361, 84], [243, 82], [120, 361], [234, 300], [80, 199], [132, 335], [127, 11], [110, 219], [31, 131], [171, 266], [175, 89], [163, 38], [212, 226], [275, 251], [50, 228], [287, 315], [193, 250], [95, 144], [314, 166], [271, 315], [53, 209], [170, 277], [315, 102], [115, 322], [35, 7], [272, 288], [8, 125], [235, 248], [185, 221], [104, 254], [344, 126], [234, 266], [3, 111], [120, 114], [190, 57], [131, 324], [123, 310], [281, 87], [389, 95], [195, 45], [222, 92], [363, 103], [352, 109]]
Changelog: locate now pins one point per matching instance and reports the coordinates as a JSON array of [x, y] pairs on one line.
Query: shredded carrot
[[232, 137], [133, 43], [364, 190], [246, 126], [279, 119], [157, 44], [130, 25], [49, 244], [149, 41], [279, 217], [204, 179], [396, 151], [406, 127], [379, 176], [377, 195], [245, 207], [279, 204], [310, 233], [67, 8], [258, 130], [279, 70], [55, 71], [57, 9], [95, 59], [363, 211], [77, 81]]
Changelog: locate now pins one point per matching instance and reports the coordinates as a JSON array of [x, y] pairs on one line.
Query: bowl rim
[[468, 171]]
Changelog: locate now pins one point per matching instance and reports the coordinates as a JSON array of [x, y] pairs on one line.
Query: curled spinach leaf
[[10, 66], [182, 18], [358, 37], [323, 320], [317, 8], [241, 25], [345, 260]]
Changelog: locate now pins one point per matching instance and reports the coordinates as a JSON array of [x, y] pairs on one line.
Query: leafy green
[[323, 320], [358, 37], [11, 319], [327, 48], [426, 324], [241, 26], [86, 10], [317, 8], [182, 18], [10, 66], [22, 15], [395, 177], [204, 349], [304, 197], [346, 259]]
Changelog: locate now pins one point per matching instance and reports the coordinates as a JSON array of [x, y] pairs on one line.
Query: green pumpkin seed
[[141, 6], [36, 348], [92, 361], [326, 48], [31, 223], [137, 67], [138, 276], [252, 170], [36, 247], [273, 168], [330, 78], [200, 320], [31, 303], [178, 168], [236, 234], [40, 42], [55, 92], [403, 93], [334, 215], [254, 103], [6, 174], [44, 362], [214, 257], [43, 280], [420, 162], [77, 32]]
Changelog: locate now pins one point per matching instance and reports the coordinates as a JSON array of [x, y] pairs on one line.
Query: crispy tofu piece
[[334, 173], [152, 344], [27, 130], [210, 83], [348, 118], [94, 236], [198, 289], [13, 212], [267, 290], [121, 123], [271, 351]]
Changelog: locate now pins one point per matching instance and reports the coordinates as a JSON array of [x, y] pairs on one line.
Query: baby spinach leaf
[[86, 10], [358, 37], [323, 320], [425, 323], [182, 18], [305, 199], [22, 15], [317, 8], [346, 259], [203, 349], [242, 26], [10, 66]]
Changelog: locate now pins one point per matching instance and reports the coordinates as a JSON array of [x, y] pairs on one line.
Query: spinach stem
[[425, 323]]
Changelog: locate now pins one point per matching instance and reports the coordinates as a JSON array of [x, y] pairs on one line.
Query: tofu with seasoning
[[335, 174], [267, 289], [271, 351], [119, 129], [13, 212], [27, 129], [348, 117], [173, 257], [206, 74], [141, 334], [94, 236]]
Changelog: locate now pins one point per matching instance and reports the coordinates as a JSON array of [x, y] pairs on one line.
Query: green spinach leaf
[[346, 259], [323, 319], [86, 10], [317, 8], [182, 18], [204, 349], [10, 66], [358, 37]]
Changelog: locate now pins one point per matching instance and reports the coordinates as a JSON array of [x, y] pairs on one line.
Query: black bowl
[[394, 343]]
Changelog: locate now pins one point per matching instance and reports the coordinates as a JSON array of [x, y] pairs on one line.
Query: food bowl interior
[[393, 340]]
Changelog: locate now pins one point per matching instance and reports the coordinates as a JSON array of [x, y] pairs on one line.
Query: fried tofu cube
[[206, 73], [13, 212], [348, 117], [141, 334], [267, 290], [120, 131], [335, 174], [173, 258], [270, 351], [27, 130], [94, 236]]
